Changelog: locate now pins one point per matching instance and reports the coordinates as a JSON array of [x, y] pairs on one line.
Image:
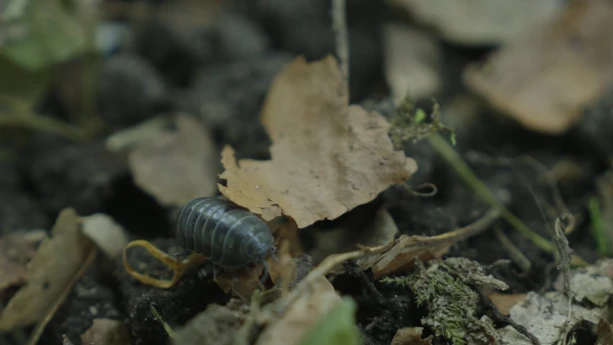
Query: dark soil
[[221, 75]]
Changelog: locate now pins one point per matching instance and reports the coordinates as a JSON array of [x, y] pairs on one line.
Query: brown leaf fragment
[[411, 336], [301, 315], [107, 332], [176, 166], [544, 79], [327, 156], [108, 235], [52, 269], [481, 21], [504, 302], [16, 250]]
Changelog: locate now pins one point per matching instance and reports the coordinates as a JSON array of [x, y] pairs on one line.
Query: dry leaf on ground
[[412, 62], [482, 21], [327, 156], [176, 166], [504, 302], [52, 269], [546, 315], [411, 336], [592, 283], [545, 78], [301, 315], [16, 250], [107, 332], [106, 233]]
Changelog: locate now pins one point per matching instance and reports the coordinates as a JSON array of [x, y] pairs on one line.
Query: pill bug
[[226, 234]]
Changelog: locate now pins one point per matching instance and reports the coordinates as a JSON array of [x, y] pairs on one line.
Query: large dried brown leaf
[[327, 156], [50, 272], [544, 79], [176, 166], [482, 21]]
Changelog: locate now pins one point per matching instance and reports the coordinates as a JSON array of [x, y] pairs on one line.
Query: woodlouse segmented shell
[[223, 232]]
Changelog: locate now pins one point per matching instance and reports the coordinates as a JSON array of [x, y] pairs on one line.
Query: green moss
[[451, 305]]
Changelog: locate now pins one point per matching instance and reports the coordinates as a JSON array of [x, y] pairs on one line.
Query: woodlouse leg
[[180, 256], [209, 269], [265, 275], [206, 270]]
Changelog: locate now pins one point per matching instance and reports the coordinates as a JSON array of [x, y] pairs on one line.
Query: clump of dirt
[[66, 173], [89, 300], [18, 209], [229, 96], [175, 306]]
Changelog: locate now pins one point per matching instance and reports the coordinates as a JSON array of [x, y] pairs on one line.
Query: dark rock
[[229, 98], [19, 211], [89, 300], [240, 38], [67, 174], [305, 27], [129, 90]]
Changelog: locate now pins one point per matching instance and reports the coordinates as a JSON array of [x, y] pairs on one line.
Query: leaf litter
[[327, 156], [481, 22], [544, 78], [50, 273], [174, 166], [281, 186]]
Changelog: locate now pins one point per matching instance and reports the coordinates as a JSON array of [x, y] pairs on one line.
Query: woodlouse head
[[261, 246]]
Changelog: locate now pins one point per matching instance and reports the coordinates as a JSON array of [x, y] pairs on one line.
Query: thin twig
[[498, 316], [564, 253], [514, 253], [43, 123], [339, 25]]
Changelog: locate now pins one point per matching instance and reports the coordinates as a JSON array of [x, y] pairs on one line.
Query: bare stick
[[339, 25]]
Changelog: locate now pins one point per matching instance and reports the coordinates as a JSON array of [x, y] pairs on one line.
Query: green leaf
[[336, 328], [53, 34]]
